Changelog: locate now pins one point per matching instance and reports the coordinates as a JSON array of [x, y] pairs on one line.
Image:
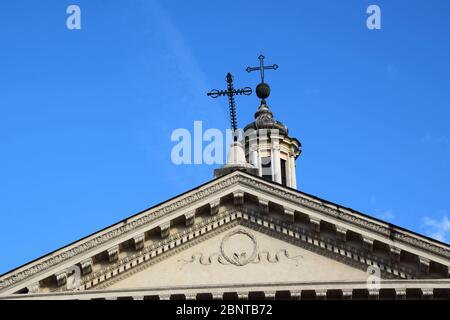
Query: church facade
[[246, 234]]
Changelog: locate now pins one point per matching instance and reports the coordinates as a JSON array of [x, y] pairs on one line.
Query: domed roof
[[264, 120]]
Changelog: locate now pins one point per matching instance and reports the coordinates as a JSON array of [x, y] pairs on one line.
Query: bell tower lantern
[[268, 146]]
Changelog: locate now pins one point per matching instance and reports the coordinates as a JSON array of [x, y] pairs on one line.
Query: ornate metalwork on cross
[[230, 92]]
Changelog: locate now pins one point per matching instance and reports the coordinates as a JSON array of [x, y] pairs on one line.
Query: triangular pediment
[[148, 249], [239, 255]]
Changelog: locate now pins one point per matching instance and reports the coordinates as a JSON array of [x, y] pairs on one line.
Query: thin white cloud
[[435, 140], [438, 229], [187, 64], [387, 215]]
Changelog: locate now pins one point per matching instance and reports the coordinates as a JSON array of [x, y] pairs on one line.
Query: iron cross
[[231, 92], [262, 67]]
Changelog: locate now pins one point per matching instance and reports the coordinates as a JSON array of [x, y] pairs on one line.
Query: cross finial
[[231, 92], [262, 67]]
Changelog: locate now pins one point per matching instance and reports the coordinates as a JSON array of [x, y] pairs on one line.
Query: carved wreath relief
[[239, 248], [239, 238]]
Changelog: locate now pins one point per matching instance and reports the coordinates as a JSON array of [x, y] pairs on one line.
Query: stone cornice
[[353, 217], [229, 219], [163, 243], [167, 254], [146, 217], [234, 217], [208, 190], [397, 285]]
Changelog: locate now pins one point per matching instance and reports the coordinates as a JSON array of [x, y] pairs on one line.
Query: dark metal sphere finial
[[263, 90]]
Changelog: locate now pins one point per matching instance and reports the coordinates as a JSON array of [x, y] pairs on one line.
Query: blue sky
[[87, 115]]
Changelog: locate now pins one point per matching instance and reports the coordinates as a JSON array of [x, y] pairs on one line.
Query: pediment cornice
[[81, 249], [114, 232], [346, 215], [227, 220]]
